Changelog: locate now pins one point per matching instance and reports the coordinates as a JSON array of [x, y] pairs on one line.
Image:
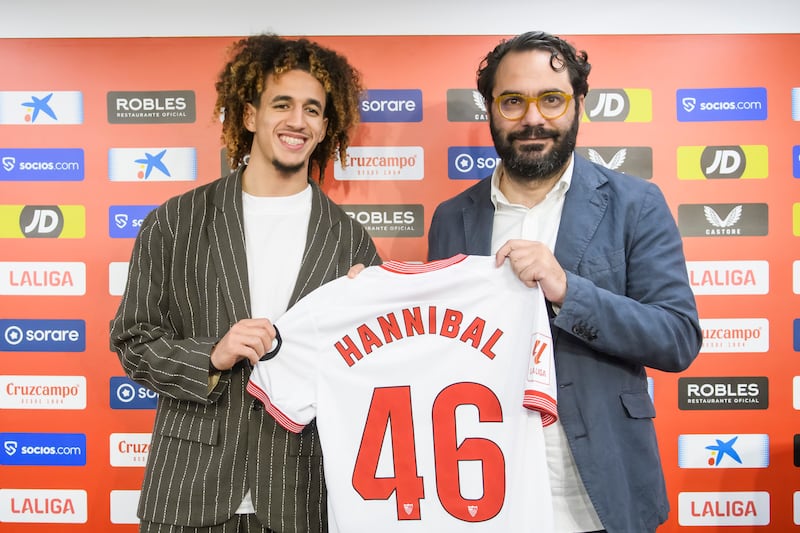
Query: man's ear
[[250, 117]]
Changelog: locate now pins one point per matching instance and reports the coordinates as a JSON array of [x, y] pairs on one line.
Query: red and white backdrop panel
[[132, 118]]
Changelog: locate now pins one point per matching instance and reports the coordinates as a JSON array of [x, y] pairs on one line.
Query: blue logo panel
[[43, 449], [391, 105], [18, 335], [41, 164], [712, 105], [796, 341], [796, 161], [127, 394], [124, 221], [471, 162]]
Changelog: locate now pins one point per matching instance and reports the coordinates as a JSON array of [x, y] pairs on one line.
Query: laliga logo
[[10, 447], [689, 104], [9, 163]]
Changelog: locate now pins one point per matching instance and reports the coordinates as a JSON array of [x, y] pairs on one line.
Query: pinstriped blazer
[[187, 285]]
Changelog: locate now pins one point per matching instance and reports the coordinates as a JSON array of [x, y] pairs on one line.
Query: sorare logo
[[723, 220], [42, 221], [618, 105], [796, 334], [391, 105], [30, 335], [471, 162], [124, 221], [152, 164], [41, 164], [127, 394], [723, 162], [633, 160], [796, 161], [44, 108], [722, 104], [43, 449]]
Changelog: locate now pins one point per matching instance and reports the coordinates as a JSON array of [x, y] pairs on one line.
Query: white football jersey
[[430, 384]]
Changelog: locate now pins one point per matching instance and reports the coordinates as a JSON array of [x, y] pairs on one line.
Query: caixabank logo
[[723, 162], [42, 221], [723, 393], [632, 160], [618, 105], [389, 220], [152, 164], [391, 105], [721, 104], [466, 105], [151, 107], [723, 220], [41, 108], [41, 164], [738, 450]]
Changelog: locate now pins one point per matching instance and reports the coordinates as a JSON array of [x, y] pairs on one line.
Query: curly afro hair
[[243, 78]]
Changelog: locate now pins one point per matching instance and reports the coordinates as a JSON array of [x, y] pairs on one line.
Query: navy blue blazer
[[628, 306]]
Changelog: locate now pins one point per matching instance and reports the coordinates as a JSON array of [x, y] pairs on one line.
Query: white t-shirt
[[429, 384]]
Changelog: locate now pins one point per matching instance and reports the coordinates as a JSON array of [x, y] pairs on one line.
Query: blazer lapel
[[225, 233], [478, 220], [584, 207], [320, 246]]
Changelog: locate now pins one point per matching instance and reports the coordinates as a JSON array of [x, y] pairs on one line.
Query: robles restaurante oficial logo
[[151, 107]]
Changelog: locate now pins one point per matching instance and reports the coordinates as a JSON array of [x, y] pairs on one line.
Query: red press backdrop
[[74, 431]]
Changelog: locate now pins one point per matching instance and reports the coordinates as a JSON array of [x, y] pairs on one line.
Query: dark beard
[[527, 164], [283, 168]]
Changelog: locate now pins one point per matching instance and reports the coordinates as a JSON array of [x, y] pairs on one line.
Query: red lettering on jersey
[[450, 323], [347, 349], [368, 338]]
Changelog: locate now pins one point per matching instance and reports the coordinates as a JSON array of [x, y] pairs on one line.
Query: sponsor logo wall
[[94, 133]]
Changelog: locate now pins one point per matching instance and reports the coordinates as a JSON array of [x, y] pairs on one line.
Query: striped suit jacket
[[187, 285]]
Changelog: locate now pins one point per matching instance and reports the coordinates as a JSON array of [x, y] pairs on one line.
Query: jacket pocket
[[638, 404], [182, 425]]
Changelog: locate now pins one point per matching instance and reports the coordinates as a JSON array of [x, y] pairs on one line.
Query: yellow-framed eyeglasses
[[551, 105]]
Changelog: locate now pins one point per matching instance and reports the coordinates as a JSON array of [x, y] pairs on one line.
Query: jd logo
[[723, 161], [41, 221]]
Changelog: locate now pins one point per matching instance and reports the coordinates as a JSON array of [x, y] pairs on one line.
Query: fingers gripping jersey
[[430, 385]]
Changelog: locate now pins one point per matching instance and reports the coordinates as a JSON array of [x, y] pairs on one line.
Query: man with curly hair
[[209, 272]]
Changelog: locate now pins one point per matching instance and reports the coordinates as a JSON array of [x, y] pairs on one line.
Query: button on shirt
[[572, 508]]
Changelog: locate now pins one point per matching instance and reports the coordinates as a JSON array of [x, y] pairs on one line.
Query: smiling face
[[287, 125], [533, 148]]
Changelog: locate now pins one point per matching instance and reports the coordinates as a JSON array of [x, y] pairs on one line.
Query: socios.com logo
[[127, 394], [391, 105], [124, 221], [471, 162], [618, 105], [43, 449], [41, 164], [723, 104], [22, 335]]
